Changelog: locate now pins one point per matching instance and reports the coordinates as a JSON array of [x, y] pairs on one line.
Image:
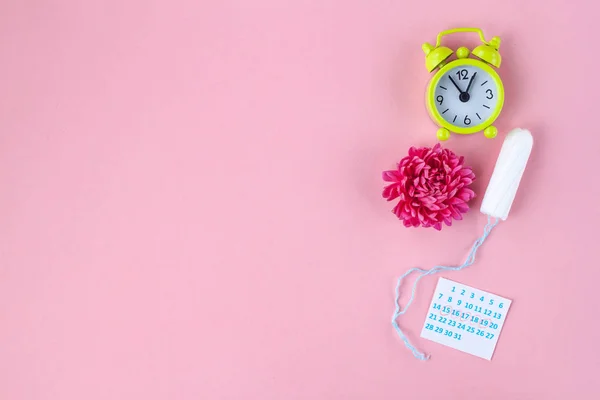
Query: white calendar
[[465, 318]]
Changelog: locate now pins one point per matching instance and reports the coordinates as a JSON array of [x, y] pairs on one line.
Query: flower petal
[[465, 194], [419, 167], [455, 213], [463, 208], [465, 171], [390, 176], [456, 200], [391, 192], [432, 206]]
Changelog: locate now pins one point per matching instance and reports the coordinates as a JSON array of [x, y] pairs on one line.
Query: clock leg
[[443, 134], [490, 132]]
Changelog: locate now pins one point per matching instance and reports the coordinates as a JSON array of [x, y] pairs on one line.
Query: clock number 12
[[462, 74]]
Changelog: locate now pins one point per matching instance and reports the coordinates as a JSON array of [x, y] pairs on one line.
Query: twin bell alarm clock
[[465, 95]]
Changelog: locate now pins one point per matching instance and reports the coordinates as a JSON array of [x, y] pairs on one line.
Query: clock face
[[466, 96]]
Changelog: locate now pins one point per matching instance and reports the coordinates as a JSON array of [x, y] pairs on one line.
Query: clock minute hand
[[454, 83], [470, 82]]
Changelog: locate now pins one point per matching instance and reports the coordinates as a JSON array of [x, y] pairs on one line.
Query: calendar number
[[487, 312], [474, 319], [437, 306], [481, 299], [441, 295], [453, 289], [489, 335], [491, 302], [484, 322], [459, 302], [446, 309], [472, 295], [438, 329], [493, 325], [432, 316], [480, 332], [477, 309], [461, 326], [443, 320], [448, 333], [497, 315], [470, 329], [455, 312], [449, 299], [429, 326], [465, 316], [469, 306], [462, 292], [452, 322], [457, 336], [501, 305]]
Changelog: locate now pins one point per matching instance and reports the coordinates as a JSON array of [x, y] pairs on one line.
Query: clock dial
[[466, 96]]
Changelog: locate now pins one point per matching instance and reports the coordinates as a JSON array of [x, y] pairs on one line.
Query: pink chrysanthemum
[[432, 185]]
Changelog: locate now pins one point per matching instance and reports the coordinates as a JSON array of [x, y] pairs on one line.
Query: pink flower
[[432, 185]]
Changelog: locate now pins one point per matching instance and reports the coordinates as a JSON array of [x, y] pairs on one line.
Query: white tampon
[[507, 174]]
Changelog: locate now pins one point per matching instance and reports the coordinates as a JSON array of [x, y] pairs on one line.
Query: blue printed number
[[465, 315], [438, 329], [457, 336], [501, 305], [443, 320], [446, 309], [470, 329], [432, 316], [456, 312], [437, 306], [487, 312], [480, 332], [484, 322], [448, 333], [493, 325], [453, 288], [477, 309], [481, 299], [429, 326], [489, 335], [475, 319], [461, 326], [472, 295], [449, 299], [497, 315], [441, 295], [452, 323], [462, 292], [469, 306], [459, 302], [491, 302]]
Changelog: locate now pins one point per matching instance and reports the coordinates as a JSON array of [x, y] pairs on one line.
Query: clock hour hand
[[470, 82], [454, 83]]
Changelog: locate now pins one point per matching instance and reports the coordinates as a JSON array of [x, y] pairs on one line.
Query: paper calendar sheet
[[465, 318]]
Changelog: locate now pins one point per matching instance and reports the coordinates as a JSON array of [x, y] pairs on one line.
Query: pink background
[[190, 196]]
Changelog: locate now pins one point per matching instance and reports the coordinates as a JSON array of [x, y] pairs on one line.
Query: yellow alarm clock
[[465, 95]]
